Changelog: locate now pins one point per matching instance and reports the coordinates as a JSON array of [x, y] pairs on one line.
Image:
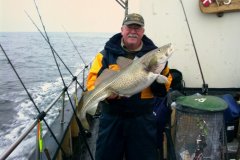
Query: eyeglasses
[[137, 28]]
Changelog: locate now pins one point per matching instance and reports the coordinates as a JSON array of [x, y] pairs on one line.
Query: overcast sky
[[74, 15]]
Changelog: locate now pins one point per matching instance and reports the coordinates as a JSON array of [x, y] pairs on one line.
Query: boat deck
[[79, 148], [83, 153], [231, 146]]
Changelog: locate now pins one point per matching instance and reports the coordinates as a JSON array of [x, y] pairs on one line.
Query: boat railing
[[31, 126]]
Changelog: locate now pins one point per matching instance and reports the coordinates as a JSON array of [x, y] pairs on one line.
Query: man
[[127, 125]]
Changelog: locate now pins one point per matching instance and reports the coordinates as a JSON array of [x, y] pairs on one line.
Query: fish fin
[[124, 62], [136, 58], [161, 79], [106, 73], [93, 108]]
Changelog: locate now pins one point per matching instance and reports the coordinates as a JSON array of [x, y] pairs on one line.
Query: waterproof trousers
[[131, 136]]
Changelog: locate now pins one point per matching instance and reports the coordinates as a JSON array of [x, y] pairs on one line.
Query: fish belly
[[135, 82]]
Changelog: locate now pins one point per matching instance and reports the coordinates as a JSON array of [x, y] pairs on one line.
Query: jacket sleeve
[[162, 89], [97, 65]]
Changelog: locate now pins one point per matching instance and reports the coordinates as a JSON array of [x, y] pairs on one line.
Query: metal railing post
[[83, 77], [76, 94], [27, 130], [63, 106], [126, 8]]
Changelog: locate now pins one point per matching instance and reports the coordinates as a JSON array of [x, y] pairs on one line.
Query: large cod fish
[[133, 77]]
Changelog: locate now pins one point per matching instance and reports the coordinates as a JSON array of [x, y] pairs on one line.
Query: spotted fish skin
[[130, 80]]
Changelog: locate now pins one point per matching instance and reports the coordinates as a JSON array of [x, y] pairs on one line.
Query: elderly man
[[127, 125]]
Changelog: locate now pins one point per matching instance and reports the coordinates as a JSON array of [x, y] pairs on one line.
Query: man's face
[[132, 35]]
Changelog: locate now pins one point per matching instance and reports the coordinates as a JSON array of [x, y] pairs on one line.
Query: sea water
[[33, 60]]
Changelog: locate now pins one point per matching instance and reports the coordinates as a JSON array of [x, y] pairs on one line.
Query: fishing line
[[205, 86], [75, 47], [48, 40], [65, 88], [41, 114], [74, 77]]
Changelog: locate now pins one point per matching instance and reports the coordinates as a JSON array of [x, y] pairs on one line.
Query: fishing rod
[[75, 47], [28, 130], [82, 130], [204, 86], [74, 77], [42, 114]]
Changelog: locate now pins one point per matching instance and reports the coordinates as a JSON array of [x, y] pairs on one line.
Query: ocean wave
[[35, 64]]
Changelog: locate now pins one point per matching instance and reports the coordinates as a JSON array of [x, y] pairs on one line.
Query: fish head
[[158, 58], [162, 54]]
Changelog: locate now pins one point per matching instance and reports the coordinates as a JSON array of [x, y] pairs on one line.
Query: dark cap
[[133, 18]]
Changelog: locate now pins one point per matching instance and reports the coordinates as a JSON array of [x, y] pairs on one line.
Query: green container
[[202, 103], [199, 129]]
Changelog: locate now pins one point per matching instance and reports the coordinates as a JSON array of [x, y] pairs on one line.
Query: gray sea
[[33, 60]]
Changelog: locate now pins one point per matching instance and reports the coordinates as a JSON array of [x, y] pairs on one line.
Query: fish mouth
[[170, 50]]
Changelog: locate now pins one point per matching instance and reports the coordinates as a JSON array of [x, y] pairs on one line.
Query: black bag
[[177, 80]]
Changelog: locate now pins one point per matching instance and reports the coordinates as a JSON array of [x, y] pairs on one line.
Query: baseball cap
[[133, 18]]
